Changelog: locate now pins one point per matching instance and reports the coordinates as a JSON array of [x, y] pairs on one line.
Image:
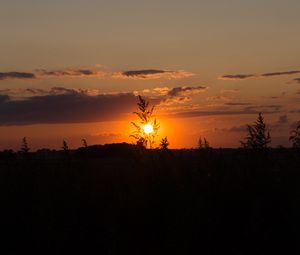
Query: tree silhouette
[[164, 143], [24, 146], [146, 118], [65, 146], [295, 136], [258, 136]]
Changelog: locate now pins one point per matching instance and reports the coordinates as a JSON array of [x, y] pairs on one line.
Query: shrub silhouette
[[145, 115], [258, 136], [24, 146], [295, 136], [164, 143]]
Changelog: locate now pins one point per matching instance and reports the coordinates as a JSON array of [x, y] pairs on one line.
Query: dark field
[[118, 199]]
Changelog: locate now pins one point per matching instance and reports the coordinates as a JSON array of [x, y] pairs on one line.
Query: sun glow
[[148, 128]]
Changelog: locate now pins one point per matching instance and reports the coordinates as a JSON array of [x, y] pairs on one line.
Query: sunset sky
[[71, 69]]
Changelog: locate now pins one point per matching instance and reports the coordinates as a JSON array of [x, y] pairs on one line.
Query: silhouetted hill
[[119, 199]]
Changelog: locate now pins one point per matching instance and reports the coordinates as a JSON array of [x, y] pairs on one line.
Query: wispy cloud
[[241, 128], [42, 73], [296, 80], [106, 134], [257, 76], [16, 75], [180, 95], [281, 121], [186, 91], [237, 104], [218, 98], [190, 114], [229, 91], [149, 74], [237, 76], [71, 73], [248, 110], [94, 72], [264, 108], [23, 93], [280, 73], [166, 92]]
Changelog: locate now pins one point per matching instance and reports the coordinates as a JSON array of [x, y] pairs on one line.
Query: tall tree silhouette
[[295, 136], [258, 136], [147, 127], [24, 146]]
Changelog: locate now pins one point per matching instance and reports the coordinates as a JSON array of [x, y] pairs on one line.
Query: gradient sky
[[71, 69]]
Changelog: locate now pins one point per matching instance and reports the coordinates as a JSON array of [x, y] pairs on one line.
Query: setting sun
[[148, 128]]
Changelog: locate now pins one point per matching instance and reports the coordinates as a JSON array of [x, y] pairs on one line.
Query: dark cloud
[[93, 72], [71, 73], [57, 73], [152, 74], [297, 80], [143, 73], [237, 104], [16, 75], [68, 106], [263, 108], [237, 76], [279, 73], [257, 76], [282, 94]]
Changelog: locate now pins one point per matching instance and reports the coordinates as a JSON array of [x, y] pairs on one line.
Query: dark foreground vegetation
[[119, 199]]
